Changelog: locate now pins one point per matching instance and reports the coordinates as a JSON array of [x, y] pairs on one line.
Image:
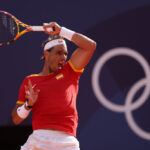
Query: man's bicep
[[80, 58]]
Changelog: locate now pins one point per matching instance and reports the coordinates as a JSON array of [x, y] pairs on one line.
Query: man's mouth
[[60, 65]]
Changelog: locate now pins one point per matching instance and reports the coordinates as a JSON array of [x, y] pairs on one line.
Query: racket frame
[[18, 22]]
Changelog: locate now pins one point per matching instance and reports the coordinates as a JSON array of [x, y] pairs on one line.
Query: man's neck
[[45, 71]]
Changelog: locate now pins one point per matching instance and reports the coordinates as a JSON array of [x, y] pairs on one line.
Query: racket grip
[[37, 28], [40, 28]]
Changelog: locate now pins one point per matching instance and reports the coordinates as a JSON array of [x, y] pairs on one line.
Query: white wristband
[[66, 33], [22, 112]]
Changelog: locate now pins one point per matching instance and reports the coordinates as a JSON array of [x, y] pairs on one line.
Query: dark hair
[[50, 38]]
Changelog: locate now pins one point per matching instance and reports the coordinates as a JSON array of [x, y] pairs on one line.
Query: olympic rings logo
[[129, 105]]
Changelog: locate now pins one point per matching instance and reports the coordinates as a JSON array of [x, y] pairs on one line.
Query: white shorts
[[50, 140]]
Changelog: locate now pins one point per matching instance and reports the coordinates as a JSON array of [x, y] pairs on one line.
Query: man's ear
[[46, 53]]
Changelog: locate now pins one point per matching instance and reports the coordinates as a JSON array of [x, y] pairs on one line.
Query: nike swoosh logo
[[33, 85]]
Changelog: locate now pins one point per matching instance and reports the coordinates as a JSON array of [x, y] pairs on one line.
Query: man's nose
[[63, 57]]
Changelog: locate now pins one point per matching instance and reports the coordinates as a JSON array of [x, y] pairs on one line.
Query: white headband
[[53, 43]]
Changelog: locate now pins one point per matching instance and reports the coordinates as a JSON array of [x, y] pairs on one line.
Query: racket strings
[[8, 28]]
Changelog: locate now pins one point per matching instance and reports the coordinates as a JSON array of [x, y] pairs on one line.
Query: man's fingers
[[28, 92], [26, 89], [51, 28], [30, 86], [37, 91], [29, 83]]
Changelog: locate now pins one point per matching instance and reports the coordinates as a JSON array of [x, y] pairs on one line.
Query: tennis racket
[[10, 28]]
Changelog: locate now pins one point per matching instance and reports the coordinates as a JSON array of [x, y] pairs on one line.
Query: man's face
[[56, 58]]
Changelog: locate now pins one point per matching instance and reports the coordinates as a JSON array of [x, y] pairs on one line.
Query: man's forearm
[[80, 40], [83, 42]]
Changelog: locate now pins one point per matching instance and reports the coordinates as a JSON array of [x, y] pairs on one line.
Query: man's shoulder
[[68, 65], [31, 76]]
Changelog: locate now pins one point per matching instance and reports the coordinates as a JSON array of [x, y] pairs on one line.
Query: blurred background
[[113, 24]]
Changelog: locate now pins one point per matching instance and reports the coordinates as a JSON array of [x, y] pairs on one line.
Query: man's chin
[[59, 68]]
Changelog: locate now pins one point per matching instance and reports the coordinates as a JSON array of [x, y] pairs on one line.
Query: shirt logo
[[60, 41], [33, 86], [59, 76]]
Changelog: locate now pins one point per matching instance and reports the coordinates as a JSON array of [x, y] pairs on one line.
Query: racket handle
[[40, 28]]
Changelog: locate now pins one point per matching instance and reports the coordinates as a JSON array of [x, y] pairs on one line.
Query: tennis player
[[51, 94]]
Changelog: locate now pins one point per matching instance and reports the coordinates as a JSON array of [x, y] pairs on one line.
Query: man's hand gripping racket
[[10, 28]]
